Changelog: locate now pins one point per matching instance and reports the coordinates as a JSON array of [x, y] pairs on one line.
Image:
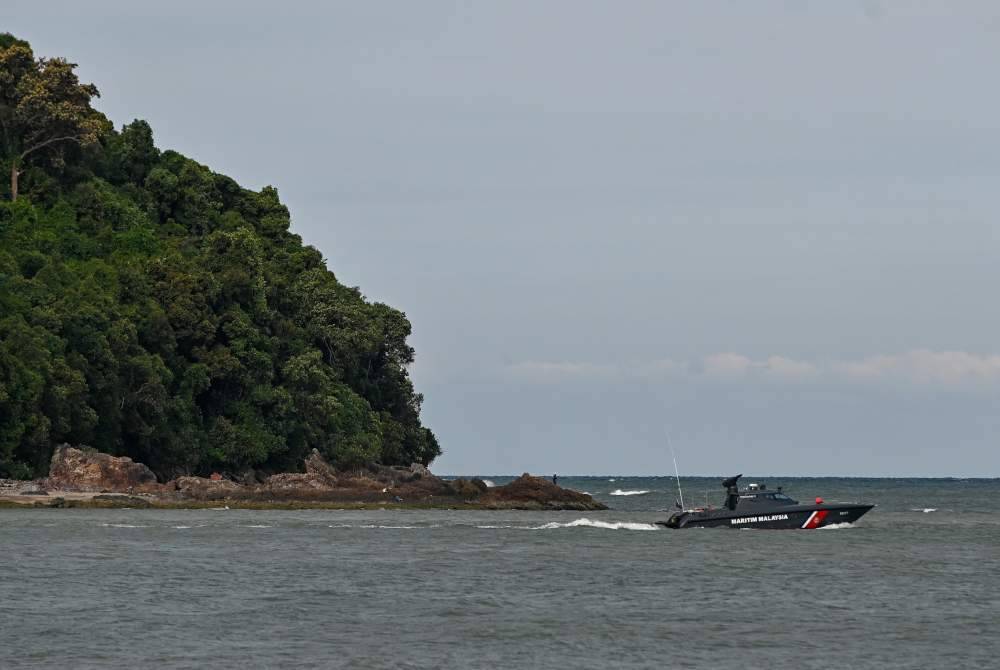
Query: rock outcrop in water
[[86, 469], [527, 492], [79, 470]]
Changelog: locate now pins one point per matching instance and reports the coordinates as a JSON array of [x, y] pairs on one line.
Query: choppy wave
[[630, 492], [925, 510], [256, 526]]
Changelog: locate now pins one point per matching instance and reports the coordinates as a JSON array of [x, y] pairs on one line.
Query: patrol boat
[[758, 507]]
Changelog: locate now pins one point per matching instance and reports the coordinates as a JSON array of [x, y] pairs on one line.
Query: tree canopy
[[152, 308]]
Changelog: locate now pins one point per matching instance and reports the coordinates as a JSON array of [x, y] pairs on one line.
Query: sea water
[[914, 584]]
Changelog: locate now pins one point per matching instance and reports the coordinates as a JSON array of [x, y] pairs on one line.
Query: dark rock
[[527, 492], [202, 488], [319, 477], [467, 488], [118, 500], [296, 483], [87, 469], [317, 466], [420, 470], [248, 478], [390, 475]]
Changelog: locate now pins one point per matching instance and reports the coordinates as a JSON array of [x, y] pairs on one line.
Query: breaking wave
[[925, 510], [630, 492]]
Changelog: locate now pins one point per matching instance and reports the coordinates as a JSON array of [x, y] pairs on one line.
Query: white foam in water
[[611, 480], [925, 510], [120, 525], [632, 492], [606, 525], [256, 526], [837, 526], [390, 527], [182, 527]]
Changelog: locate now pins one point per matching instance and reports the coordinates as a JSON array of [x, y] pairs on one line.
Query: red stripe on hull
[[816, 519]]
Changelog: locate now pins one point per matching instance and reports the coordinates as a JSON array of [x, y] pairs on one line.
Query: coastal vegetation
[[152, 308]]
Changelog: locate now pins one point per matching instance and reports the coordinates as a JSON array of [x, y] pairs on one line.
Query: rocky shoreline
[[83, 477]]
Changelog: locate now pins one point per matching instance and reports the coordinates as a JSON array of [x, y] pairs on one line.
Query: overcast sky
[[769, 228]]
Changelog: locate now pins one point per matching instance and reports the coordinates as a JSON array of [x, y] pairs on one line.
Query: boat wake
[[836, 526], [631, 492], [554, 525], [606, 525]]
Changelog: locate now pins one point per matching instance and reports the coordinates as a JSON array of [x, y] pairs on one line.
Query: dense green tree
[[43, 107], [152, 308]]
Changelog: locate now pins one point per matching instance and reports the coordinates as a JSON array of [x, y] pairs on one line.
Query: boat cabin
[[761, 496], [753, 496]]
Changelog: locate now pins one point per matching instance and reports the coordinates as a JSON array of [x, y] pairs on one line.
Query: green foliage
[[45, 112], [152, 308]]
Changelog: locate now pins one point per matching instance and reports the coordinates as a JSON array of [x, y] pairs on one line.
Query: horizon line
[[701, 476]]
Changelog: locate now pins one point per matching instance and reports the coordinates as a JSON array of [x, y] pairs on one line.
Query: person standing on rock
[[555, 479]]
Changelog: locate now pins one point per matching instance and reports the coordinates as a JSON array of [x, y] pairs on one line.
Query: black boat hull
[[790, 517]]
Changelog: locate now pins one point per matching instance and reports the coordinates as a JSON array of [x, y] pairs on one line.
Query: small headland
[[84, 477]]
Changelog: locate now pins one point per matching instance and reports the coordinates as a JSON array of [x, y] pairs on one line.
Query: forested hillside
[[152, 308]]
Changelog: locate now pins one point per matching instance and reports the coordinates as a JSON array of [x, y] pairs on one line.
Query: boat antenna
[[677, 472]]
